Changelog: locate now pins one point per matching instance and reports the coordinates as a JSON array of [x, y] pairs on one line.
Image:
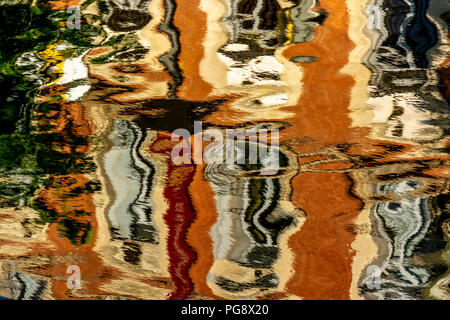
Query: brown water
[[358, 210]]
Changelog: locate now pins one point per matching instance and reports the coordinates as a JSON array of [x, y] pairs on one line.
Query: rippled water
[[358, 208]]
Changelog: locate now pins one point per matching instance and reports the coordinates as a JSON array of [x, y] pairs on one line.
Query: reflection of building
[[134, 233], [407, 216], [256, 29], [136, 64], [266, 24], [407, 47], [125, 71], [402, 186], [140, 183], [244, 41], [130, 176], [253, 211], [405, 205], [20, 286], [20, 232], [128, 15]]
